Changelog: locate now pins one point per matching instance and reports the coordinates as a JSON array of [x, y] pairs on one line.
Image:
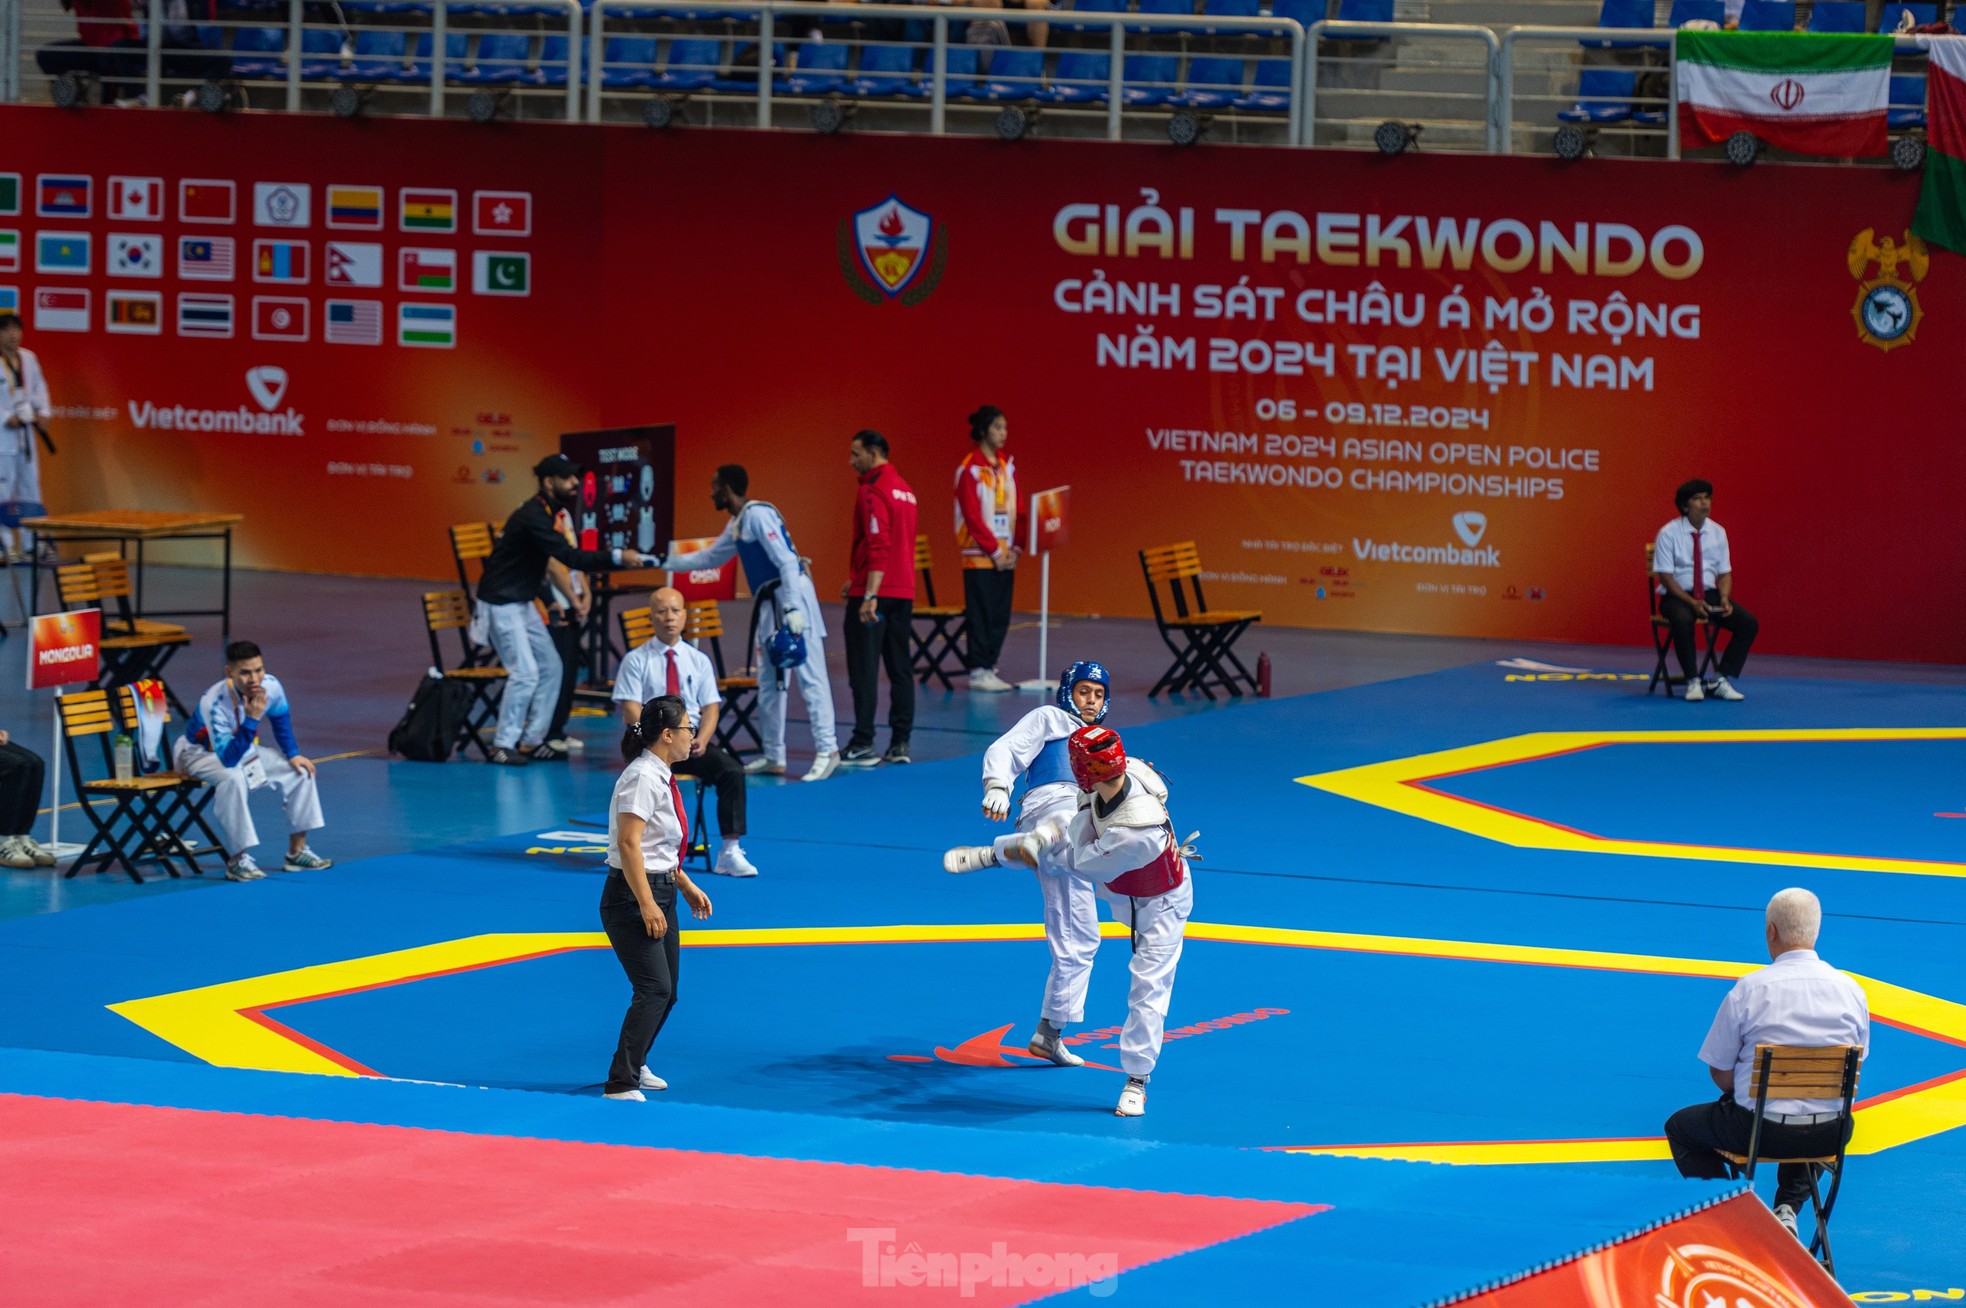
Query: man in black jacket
[[513, 575]]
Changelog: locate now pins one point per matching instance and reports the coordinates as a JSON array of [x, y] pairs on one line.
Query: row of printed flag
[[215, 317], [360, 264], [273, 204]]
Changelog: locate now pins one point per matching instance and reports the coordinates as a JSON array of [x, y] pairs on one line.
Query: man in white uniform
[[220, 747], [781, 593], [1693, 567], [1122, 839], [1038, 750], [667, 666], [24, 412]]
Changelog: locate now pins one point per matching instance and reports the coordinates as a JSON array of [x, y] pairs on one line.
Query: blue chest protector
[[1052, 765], [759, 570]]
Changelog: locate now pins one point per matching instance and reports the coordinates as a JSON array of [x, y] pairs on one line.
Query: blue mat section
[[793, 1050]]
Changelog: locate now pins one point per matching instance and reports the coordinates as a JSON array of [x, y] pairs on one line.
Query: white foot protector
[[822, 767], [1051, 1047], [1133, 1099], [969, 858]]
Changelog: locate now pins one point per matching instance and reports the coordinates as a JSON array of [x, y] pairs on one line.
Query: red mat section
[[119, 1203]]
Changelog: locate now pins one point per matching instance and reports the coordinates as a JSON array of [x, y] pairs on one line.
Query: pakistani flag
[[1797, 91], [1941, 216], [497, 273]]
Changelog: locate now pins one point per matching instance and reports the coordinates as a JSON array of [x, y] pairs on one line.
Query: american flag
[[354, 322]]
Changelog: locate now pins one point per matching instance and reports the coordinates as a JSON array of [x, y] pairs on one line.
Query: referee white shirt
[[645, 789], [1672, 552], [644, 674], [1796, 1000]]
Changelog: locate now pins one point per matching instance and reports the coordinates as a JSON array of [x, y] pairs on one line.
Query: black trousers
[[868, 645], [1695, 1133], [986, 605], [1740, 627], [726, 776], [566, 640], [651, 968], [22, 774]]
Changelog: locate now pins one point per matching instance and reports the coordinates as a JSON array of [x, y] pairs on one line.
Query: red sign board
[[704, 583], [64, 648], [1051, 519]]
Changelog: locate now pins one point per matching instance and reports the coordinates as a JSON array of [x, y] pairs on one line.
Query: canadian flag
[[136, 199]]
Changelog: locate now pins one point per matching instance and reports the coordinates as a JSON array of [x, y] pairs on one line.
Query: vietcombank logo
[[1469, 525], [267, 385]]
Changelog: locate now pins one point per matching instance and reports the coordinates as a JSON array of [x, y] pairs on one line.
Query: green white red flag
[[1797, 91]]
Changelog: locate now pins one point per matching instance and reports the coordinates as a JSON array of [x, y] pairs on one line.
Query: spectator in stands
[[512, 578], [1798, 999], [986, 535], [23, 432], [995, 31], [878, 627], [1694, 570], [108, 33], [220, 747], [22, 774], [667, 666]]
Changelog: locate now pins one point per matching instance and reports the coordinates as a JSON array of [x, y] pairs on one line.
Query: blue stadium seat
[[1688, 11], [961, 69], [1150, 78], [501, 59], [1364, 11], [1089, 7], [453, 57], [1604, 95], [1837, 16], [1305, 12], [1920, 15], [325, 46], [888, 70], [744, 71], [552, 70], [1621, 13], [253, 42], [1229, 9], [1170, 9], [1907, 100], [1768, 16], [1270, 93], [386, 7], [1081, 77], [820, 69], [1214, 82], [692, 65], [379, 57], [628, 61], [1015, 74]]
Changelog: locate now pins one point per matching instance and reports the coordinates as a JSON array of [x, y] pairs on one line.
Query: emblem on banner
[[892, 251], [1887, 311]]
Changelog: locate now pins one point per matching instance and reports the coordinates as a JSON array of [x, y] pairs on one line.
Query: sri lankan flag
[[429, 211]]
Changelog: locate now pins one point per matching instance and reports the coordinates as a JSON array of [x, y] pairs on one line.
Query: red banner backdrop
[[1419, 394]]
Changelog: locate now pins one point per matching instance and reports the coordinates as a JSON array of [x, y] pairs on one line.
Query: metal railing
[[1602, 37], [1482, 37]]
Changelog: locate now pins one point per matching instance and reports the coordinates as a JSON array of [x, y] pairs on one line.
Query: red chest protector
[[1157, 878]]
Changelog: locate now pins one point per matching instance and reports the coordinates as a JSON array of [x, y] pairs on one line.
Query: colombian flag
[[429, 211], [355, 206]]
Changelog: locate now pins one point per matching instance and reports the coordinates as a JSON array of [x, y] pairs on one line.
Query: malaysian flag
[[205, 258], [354, 322]]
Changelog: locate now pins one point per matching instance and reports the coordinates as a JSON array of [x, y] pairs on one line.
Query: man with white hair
[[1798, 999]]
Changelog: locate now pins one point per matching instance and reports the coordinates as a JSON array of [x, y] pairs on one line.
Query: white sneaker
[[632, 1096], [241, 867], [969, 858], [732, 863], [1695, 692], [1721, 690], [650, 1081], [1786, 1216], [1044, 1046], [770, 766], [13, 854], [1133, 1099], [43, 856], [822, 767], [987, 679], [568, 744]]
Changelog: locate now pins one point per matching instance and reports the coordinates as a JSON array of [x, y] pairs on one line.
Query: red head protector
[[1097, 755]]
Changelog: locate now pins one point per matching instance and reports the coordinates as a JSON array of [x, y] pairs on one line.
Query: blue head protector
[[786, 650], [1085, 670]]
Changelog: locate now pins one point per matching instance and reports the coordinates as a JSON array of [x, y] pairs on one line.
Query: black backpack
[[431, 724]]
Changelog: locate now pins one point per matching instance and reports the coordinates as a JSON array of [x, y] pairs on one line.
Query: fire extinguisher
[[1263, 675]]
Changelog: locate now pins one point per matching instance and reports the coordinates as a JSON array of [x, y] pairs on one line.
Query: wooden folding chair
[[113, 583], [131, 654], [471, 542], [149, 814], [1805, 1072], [937, 627], [1662, 638], [450, 610], [1201, 639]]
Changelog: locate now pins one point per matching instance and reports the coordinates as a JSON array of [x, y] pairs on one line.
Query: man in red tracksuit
[[880, 604]]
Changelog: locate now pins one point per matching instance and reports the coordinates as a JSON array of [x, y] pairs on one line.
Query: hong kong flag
[[503, 213]]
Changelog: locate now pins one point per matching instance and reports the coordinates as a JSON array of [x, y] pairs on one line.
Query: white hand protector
[[795, 622], [996, 802]]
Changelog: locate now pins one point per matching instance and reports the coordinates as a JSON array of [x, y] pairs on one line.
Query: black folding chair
[[1662, 638], [1806, 1072], [450, 610], [1201, 639], [937, 628]]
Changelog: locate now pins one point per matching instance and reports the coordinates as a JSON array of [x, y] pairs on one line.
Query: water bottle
[[125, 751], [1263, 675]]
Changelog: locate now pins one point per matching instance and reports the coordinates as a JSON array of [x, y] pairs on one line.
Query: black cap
[[556, 465]]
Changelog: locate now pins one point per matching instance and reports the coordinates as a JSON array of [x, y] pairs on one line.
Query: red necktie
[[672, 684], [676, 795], [1699, 579]]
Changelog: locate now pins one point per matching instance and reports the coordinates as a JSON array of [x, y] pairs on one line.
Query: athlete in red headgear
[[1122, 840]]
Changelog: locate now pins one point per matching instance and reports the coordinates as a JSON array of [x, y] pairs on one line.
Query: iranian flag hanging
[[1808, 94], [1941, 216]]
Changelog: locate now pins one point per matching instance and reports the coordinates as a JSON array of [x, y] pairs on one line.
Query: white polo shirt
[[1796, 1000], [645, 672], [643, 790], [1672, 552]]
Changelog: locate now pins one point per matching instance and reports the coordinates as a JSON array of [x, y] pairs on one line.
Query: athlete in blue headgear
[[1036, 749]]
